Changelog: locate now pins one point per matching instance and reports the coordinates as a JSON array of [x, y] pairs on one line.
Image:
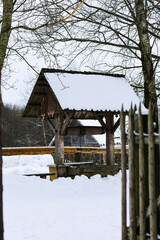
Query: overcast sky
[[22, 78]]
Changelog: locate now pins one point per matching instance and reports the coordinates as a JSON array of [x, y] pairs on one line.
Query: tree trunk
[[146, 57], [5, 29], [4, 39], [1, 184]]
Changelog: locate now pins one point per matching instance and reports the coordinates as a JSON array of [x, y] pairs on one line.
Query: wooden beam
[[51, 126], [41, 175], [90, 170], [116, 125], [82, 130], [27, 151], [51, 150], [66, 123], [100, 119]]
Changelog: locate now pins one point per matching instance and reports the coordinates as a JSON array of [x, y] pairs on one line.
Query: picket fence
[[144, 176]]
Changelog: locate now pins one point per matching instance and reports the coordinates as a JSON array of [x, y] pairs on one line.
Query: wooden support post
[[59, 141], [152, 182], [142, 181], [124, 179], [136, 159], [132, 199], [109, 139]]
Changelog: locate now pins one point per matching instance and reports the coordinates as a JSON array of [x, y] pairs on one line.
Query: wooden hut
[[79, 141], [60, 96]]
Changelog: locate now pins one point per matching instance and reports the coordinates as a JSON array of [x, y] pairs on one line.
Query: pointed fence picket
[[144, 177]]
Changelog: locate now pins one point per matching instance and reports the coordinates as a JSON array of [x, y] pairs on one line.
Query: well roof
[[88, 91]]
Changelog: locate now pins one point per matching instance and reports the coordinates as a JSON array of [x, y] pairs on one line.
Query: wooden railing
[[9, 151]]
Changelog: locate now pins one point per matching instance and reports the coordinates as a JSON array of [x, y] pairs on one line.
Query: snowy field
[[65, 209]]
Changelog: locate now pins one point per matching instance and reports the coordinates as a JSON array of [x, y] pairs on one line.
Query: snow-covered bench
[[41, 175]]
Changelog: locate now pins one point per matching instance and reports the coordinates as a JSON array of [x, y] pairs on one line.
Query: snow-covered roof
[[92, 92]]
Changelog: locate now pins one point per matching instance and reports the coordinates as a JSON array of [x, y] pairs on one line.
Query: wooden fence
[[72, 154], [144, 177], [8, 151], [71, 168]]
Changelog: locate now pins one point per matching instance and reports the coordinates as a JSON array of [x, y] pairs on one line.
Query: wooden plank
[[59, 140], [124, 179], [27, 151], [51, 150], [132, 200], [78, 163], [82, 130], [152, 182], [101, 168], [53, 169], [40, 174], [13, 151], [90, 150], [142, 201], [136, 157], [90, 170], [109, 139]]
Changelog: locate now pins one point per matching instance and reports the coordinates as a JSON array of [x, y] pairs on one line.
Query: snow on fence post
[[142, 202], [132, 200], [124, 180], [152, 182]]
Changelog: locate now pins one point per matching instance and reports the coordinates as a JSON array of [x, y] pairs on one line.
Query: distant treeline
[[18, 131]]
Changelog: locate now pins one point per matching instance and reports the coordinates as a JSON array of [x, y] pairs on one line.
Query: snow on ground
[[65, 209]]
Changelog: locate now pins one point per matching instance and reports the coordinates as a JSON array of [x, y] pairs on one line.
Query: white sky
[[21, 81]]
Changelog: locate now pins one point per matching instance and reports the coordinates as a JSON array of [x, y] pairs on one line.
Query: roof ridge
[[53, 70]]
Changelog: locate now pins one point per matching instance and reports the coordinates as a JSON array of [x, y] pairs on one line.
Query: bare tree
[[117, 35], [22, 22], [4, 39]]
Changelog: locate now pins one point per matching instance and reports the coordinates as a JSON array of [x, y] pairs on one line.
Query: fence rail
[[51, 150]]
